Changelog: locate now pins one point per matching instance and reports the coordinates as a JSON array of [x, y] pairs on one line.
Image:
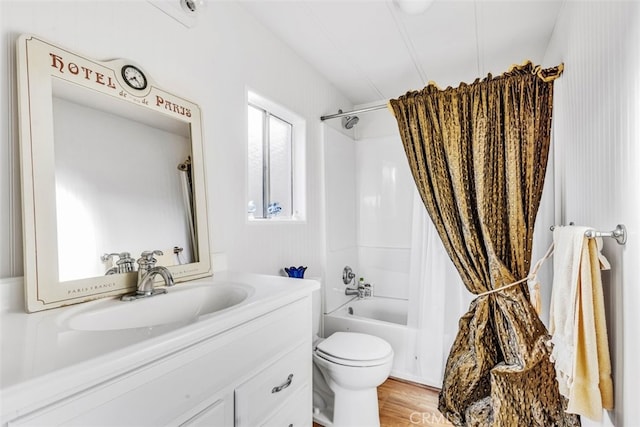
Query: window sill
[[276, 220]]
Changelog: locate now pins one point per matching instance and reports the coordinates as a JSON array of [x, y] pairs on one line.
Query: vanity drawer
[[211, 412], [295, 413], [267, 391]]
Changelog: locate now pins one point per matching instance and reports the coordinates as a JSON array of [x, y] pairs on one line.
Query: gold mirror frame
[[39, 64]]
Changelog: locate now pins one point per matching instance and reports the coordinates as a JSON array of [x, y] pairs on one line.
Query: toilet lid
[[356, 347]]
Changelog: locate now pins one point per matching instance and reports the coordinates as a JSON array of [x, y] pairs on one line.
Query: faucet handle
[[146, 257], [124, 257], [347, 275], [149, 254], [107, 257], [125, 263]]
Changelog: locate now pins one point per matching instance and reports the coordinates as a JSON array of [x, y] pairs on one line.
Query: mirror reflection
[[121, 184], [109, 170]]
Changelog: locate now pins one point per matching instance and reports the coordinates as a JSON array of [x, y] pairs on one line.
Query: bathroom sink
[[180, 305]]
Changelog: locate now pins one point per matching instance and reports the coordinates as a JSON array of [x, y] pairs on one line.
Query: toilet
[[348, 368]]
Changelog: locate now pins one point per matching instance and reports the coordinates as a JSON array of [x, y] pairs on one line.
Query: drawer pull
[[284, 385]]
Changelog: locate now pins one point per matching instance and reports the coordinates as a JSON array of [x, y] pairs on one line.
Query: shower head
[[349, 122]]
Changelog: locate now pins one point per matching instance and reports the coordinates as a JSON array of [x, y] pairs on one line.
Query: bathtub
[[387, 310], [385, 318]]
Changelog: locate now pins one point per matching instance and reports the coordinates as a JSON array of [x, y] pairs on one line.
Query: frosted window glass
[[280, 167], [256, 162]]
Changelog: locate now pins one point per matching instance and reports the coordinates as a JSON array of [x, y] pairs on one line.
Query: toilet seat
[[354, 349]]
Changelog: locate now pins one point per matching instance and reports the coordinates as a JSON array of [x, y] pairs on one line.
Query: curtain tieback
[[532, 280]]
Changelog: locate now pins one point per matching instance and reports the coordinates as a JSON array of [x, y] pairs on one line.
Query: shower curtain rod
[[352, 112]]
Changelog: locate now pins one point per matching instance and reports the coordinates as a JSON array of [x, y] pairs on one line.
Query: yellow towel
[[591, 388]]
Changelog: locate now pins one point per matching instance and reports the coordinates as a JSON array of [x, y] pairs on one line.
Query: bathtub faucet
[[348, 276], [354, 291], [363, 290]]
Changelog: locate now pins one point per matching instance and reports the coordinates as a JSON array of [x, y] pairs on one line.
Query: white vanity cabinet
[[280, 391], [255, 373]]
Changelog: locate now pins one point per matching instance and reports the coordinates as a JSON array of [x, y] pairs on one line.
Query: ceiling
[[372, 51]]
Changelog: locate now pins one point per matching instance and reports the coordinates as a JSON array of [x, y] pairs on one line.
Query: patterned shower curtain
[[478, 154]]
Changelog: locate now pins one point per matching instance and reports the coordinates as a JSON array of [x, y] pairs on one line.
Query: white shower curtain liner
[[437, 299]]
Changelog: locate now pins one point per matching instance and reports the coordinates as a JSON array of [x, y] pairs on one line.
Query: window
[[275, 161]]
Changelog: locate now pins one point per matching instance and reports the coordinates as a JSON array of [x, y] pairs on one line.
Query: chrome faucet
[[348, 275], [360, 289], [125, 263], [147, 272], [353, 291]]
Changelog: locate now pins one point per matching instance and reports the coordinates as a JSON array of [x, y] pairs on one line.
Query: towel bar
[[553, 226], [620, 233]]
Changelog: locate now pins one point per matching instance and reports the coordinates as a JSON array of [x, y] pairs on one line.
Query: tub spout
[[363, 290], [353, 291]]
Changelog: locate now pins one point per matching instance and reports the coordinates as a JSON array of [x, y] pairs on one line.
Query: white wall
[[212, 64], [596, 138]]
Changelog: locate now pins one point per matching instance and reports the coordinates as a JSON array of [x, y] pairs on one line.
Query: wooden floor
[[405, 404]]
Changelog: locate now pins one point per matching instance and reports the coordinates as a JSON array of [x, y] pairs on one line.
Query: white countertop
[[41, 358]]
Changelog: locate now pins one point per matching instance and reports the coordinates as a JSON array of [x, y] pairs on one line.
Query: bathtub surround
[[340, 214], [481, 185], [384, 230]]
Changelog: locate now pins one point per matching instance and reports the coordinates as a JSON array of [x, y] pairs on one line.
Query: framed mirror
[[112, 165]]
